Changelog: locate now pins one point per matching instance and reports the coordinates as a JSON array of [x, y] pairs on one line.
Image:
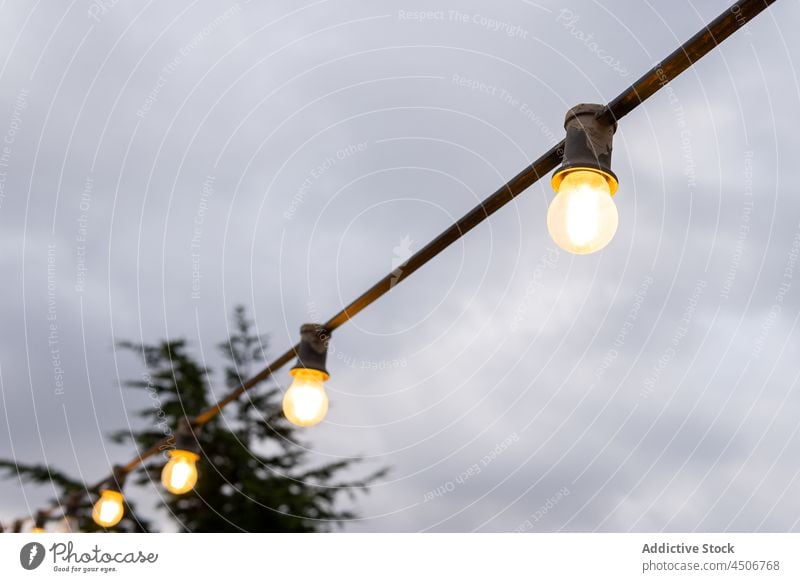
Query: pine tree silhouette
[[254, 474]]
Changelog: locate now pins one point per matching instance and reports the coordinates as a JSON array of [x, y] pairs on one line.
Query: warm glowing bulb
[[305, 403], [583, 218], [180, 473], [37, 530], [108, 510]]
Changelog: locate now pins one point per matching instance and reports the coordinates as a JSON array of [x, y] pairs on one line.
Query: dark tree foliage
[[254, 474]]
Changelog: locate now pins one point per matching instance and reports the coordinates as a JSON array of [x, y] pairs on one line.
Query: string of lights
[[581, 219]]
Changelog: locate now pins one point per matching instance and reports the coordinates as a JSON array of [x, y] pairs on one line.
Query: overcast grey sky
[[163, 162]]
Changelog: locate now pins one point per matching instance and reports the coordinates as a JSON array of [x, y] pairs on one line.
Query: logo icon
[[400, 255], [31, 555]]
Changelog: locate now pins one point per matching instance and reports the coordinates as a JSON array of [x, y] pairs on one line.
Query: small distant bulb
[[180, 473], [108, 510], [305, 403], [37, 530], [583, 218]]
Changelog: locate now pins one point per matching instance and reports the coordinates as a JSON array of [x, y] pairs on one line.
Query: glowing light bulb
[[180, 473], [305, 403], [583, 218], [38, 522], [109, 509]]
